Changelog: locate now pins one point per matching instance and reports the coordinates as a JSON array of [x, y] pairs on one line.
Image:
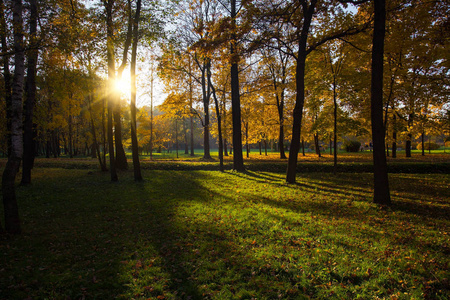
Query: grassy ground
[[208, 235]]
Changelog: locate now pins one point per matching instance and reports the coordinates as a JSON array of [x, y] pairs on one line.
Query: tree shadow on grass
[[102, 246], [408, 192]]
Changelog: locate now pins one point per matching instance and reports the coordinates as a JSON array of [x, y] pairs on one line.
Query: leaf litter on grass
[[191, 235]]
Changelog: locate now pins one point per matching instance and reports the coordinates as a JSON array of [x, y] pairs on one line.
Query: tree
[[12, 220], [277, 63], [295, 19], [238, 160], [135, 146], [30, 100], [111, 79], [381, 193], [6, 75]]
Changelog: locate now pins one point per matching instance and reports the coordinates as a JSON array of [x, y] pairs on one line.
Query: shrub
[[351, 145], [428, 146]]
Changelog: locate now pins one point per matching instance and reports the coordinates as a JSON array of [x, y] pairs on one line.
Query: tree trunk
[[104, 140], [111, 78], [191, 119], [408, 145], [238, 160], [225, 147], [6, 75], [12, 220], [176, 135], [121, 158], [219, 120], [334, 124], [265, 147], [316, 143], [70, 137], [96, 148], [151, 118], [381, 181], [186, 145], [29, 131], [246, 140], [191, 123], [303, 147], [394, 137], [134, 140], [423, 143], [300, 95], [206, 99]]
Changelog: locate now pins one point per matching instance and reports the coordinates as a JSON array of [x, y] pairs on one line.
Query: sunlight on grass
[[212, 235]]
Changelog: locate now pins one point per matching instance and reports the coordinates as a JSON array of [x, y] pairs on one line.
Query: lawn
[[202, 234]]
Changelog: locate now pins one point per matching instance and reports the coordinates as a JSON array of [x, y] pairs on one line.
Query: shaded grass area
[[211, 235]]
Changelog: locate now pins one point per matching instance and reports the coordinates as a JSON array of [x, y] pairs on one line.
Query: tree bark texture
[[134, 140], [206, 99], [381, 182], [12, 220], [219, 121], [300, 96], [238, 159], [6, 75], [29, 133]]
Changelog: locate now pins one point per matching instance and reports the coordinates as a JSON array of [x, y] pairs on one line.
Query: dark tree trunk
[[300, 93], [111, 77], [191, 123], [334, 125], [265, 147], [423, 143], [191, 119], [151, 121], [186, 144], [381, 181], [394, 137], [316, 144], [408, 145], [206, 99], [70, 137], [176, 135], [331, 146], [6, 75], [104, 132], [121, 158], [280, 106], [303, 147], [238, 159], [95, 147], [247, 146], [134, 140], [225, 147], [11, 211], [219, 120]]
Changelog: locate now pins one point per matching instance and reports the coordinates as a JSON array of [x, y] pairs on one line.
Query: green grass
[[208, 235]]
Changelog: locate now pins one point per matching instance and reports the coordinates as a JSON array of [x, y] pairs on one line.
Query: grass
[[200, 234]]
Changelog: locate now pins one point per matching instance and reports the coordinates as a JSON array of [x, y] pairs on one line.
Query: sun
[[122, 85]]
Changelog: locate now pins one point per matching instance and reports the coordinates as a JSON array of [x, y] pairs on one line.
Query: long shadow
[[160, 230], [350, 185]]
